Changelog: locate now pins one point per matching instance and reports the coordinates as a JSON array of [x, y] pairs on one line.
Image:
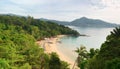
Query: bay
[[97, 36]]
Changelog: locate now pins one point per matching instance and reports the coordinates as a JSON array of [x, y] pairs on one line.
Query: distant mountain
[[86, 22]]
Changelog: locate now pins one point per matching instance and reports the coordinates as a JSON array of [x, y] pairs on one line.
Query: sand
[[50, 45]]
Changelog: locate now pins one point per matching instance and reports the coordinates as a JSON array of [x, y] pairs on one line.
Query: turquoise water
[[97, 36]]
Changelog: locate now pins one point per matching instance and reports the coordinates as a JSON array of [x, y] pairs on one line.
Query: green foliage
[[94, 63], [64, 65], [4, 64], [93, 52], [86, 58], [54, 62], [82, 57], [39, 29], [82, 52], [108, 57], [83, 64], [18, 49], [25, 66], [113, 64]]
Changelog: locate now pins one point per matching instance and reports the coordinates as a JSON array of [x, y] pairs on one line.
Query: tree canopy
[[39, 29], [18, 49], [109, 55]]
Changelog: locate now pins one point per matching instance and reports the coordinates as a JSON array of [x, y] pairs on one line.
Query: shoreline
[[50, 45]]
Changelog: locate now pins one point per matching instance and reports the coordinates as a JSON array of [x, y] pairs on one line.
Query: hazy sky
[[68, 10]]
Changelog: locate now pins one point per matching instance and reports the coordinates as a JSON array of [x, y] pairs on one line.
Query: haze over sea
[[97, 36]]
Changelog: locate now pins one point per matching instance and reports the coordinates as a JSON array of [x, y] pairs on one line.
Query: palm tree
[[116, 32], [82, 55]]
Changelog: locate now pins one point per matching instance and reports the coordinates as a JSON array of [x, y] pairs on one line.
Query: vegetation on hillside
[[109, 55], [35, 27], [84, 56], [107, 58], [18, 49]]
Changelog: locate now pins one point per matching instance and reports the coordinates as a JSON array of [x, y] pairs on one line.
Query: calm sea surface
[[97, 36]]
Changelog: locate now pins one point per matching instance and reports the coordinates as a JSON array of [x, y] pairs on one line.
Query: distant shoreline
[[84, 35]]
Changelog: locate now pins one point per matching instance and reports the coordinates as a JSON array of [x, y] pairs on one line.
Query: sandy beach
[[50, 45]]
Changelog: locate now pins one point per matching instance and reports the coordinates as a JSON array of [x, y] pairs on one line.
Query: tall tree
[[82, 56]]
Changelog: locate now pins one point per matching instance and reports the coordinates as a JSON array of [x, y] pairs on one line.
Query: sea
[[94, 39]]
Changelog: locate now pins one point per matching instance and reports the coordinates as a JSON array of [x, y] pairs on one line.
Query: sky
[[64, 10]]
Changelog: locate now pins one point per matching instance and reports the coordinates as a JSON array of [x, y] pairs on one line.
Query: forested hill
[[38, 28], [18, 48]]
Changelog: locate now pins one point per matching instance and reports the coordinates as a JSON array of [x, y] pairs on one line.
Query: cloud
[[106, 3], [64, 9], [111, 3], [107, 10]]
